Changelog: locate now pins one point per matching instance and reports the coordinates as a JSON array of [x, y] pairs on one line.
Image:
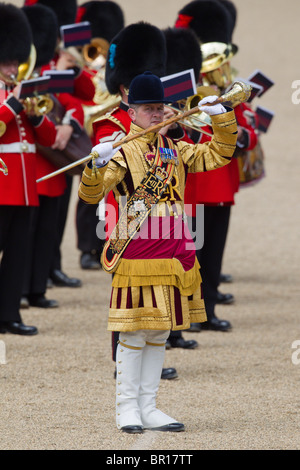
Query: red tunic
[[56, 186], [19, 186], [84, 89]]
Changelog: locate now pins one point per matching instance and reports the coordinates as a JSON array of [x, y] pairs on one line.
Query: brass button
[[2, 128]]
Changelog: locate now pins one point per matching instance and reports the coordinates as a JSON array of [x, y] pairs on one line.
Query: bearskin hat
[[65, 10], [183, 51], [15, 34], [231, 8], [44, 27], [135, 49], [209, 19], [106, 18]]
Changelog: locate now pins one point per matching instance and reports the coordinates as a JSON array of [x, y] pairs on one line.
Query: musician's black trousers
[[64, 201], [86, 224], [210, 256], [14, 237], [40, 252]]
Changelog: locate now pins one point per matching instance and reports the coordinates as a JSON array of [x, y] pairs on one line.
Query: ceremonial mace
[[239, 93]]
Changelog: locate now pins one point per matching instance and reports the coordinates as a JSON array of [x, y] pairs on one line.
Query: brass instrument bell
[[95, 54], [197, 120], [26, 68], [96, 48], [40, 104], [216, 69]]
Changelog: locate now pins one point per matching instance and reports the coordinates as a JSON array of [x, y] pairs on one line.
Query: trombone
[[240, 91], [197, 120]]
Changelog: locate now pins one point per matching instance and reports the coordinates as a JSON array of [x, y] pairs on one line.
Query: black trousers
[[14, 238], [86, 224], [41, 245], [114, 343], [210, 256], [64, 201]]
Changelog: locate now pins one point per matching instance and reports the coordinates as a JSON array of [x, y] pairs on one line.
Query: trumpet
[[39, 105]]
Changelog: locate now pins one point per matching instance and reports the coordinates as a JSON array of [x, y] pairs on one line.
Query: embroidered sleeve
[[96, 183], [215, 153]]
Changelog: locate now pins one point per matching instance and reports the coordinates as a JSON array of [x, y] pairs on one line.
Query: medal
[[168, 155]]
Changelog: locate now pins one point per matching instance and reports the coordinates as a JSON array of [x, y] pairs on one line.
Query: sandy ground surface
[[237, 390]]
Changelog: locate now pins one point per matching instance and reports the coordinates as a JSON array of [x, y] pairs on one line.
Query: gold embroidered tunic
[[154, 287]]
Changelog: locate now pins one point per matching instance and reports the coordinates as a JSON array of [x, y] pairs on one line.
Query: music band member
[[213, 22], [157, 284], [149, 53], [20, 131], [106, 21]]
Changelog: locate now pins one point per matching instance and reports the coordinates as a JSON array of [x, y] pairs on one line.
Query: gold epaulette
[[112, 118], [2, 128]]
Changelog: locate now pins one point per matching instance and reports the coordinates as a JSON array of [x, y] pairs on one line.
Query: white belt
[[18, 147]]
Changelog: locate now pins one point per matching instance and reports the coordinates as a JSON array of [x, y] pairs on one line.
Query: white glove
[[105, 152], [211, 110]]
